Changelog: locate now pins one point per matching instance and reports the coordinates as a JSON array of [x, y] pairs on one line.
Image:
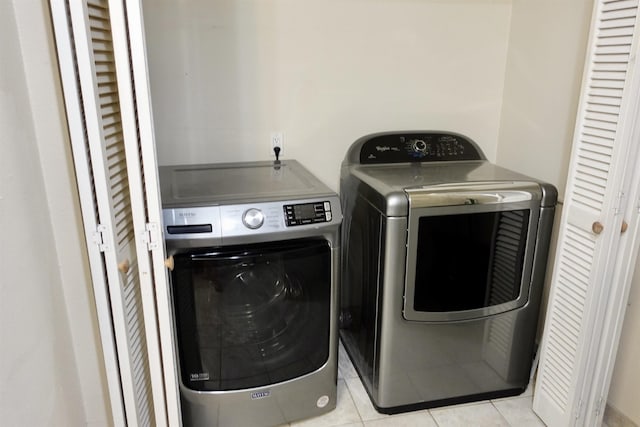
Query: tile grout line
[[346, 385], [433, 418], [500, 413]]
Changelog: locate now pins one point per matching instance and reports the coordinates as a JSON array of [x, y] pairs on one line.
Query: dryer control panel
[[397, 147]]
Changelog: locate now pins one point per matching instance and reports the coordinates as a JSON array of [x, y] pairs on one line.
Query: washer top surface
[[231, 183], [398, 177], [391, 162], [383, 166]]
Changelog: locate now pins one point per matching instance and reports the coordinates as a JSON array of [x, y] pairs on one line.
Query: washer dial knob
[[419, 146], [253, 218]]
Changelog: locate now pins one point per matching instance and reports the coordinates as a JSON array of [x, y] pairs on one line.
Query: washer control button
[[253, 218]]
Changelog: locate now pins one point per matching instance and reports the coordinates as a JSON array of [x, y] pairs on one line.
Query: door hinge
[[620, 198], [100, 237], [599, 406], [151, 236], [578, 409]]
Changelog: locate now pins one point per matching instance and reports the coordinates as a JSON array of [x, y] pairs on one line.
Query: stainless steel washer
[[444, 258], [254, 290]]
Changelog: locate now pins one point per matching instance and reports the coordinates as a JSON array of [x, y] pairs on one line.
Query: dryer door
[[254, 315], [469, 254]]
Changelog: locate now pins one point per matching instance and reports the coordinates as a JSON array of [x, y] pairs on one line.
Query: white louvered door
[[151, 181], [578, 338], [135, 99], [92, 41]]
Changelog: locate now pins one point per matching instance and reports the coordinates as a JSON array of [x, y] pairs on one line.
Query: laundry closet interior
[[227, 76], [228, 79]]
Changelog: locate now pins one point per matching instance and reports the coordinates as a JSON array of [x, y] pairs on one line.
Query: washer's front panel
[[468, 262], [278, 402], [430, 365], [251, 316], [427, 364]]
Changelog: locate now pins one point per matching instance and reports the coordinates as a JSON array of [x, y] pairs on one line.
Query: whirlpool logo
[[260, 394]]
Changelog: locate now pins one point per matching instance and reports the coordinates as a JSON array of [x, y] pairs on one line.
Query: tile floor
[[355, 409]]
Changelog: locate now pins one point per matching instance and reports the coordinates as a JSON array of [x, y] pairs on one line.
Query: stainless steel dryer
[[254, 290], [444, 257]]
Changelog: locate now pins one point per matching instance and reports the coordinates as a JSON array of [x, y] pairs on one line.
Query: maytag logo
[[199, 376], [187, 214], [260, 394]]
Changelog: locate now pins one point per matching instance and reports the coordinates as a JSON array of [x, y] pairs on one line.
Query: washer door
[[252, 316], [470, 255]]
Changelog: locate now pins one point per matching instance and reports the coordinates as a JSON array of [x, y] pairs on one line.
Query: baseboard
[[615, 418]]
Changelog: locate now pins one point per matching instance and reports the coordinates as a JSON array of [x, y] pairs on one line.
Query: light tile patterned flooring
[[355, 409]]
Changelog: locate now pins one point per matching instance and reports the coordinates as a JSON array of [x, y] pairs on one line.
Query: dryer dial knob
[[253, 218]]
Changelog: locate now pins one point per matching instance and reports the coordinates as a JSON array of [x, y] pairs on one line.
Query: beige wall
[[547, 45], [51, 370], [37, 374], [226, 73], [625, 384]]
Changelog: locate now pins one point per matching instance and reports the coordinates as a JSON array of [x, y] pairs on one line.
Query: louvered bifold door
[[153, 225], [95, 115], [582, 289], [135, 102]]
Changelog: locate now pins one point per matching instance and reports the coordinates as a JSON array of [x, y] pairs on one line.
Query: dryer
[[444, 257]]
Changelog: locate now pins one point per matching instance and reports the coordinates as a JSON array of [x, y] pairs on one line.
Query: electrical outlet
[[277, 140]]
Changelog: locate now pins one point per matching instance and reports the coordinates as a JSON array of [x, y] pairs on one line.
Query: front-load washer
[[255, 248], [444, 257]]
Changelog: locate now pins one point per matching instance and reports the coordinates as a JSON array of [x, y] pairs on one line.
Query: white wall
[[50, 359], [226, 73]]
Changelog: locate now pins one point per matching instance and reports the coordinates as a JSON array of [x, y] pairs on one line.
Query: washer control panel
[[222, 221], [418, 147], [307, 213]]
